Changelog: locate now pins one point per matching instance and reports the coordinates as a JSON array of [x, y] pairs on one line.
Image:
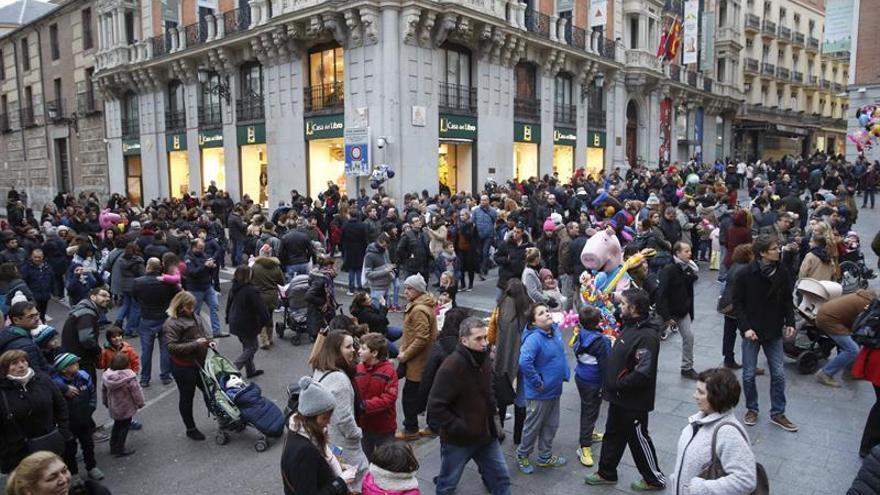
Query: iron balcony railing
[[797, 77], [28, 119], [707, 84], [752, 65], [692, 79], [250, 108], [812, 43], [161, 44], [210, 116], [575, 36], [596, 119], [4, 122], [458, 98], [86, 103], [130, 126], [196, 33], [783, 73], [56, 110], [753, 22], [237, 20], [527, 107], [798, 39], [768, 69], [607, 48], [824, 83], [784, 33], [565, 114], [175, 120], [538, 23], [814, 80], [769, 28], [324, 97]]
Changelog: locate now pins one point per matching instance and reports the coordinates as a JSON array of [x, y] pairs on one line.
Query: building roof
[[24, 11]]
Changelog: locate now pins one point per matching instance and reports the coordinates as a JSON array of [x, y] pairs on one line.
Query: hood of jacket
[[375, 248], [426, 299], [268, 262], [740, 218], [114, 379]]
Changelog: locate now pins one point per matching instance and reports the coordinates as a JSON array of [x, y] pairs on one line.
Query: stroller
[[810, 344], [296, 314], [262, 415]]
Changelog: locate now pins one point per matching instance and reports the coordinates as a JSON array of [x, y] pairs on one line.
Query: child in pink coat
[[392, 471], [122, 396]]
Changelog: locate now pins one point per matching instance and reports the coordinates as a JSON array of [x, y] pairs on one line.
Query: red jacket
[[377, 386], [867, 366], [107, 353]]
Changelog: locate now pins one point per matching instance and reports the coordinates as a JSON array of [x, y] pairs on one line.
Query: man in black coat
[[462, 401], [630, 384], [413, 251], [355, 237], [296, 252], [675, 302], [511, 256], [237, 234], [764, 312], [154, 297], [82, 330]]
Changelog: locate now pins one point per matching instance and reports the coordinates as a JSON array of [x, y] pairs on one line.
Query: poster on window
[[665, 128], [691, 31], [838, 26], [598, 12]]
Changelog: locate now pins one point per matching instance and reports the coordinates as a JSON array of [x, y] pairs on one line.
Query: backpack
[[866, 327]]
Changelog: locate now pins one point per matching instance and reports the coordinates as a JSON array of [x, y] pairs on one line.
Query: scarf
[[689, 266], [23, 380], [821, 253], [767, 268], [478, 356]]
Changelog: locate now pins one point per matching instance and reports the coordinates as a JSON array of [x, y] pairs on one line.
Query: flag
[[673, 40], [661, 48]]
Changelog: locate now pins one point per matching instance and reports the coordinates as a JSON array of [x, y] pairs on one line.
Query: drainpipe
[[18, 83]]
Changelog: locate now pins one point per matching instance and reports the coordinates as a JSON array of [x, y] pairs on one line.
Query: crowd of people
[[161, 263]]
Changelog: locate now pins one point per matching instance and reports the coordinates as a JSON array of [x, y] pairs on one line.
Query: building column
[[120, 17], [583, 108], [548, 120], [615, 115]]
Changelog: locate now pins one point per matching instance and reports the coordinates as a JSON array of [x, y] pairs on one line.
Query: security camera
[[381, 142]]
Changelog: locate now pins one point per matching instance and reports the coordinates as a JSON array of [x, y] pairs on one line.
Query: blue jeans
[[773, 352], [294, 270], [210, 295], [131, 313], [354, 280], [490, 462], [237, 251], [485, 263], [847, 350], [150, 330]]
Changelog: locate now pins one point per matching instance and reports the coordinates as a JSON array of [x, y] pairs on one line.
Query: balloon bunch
[[380, 175], [869, 118], [592, 293]]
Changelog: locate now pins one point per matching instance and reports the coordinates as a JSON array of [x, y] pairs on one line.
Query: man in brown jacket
[[419, 334], [836, 318]]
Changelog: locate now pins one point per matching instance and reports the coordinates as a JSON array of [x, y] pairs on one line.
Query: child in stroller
[[854, 273], [292, 297], [811, 345]]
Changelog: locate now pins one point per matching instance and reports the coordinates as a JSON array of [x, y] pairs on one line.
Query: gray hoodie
[[378, 272]]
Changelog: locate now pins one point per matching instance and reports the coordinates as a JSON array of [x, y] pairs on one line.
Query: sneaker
[[596, 479], [525, 467], [781, 421], [136, 425], [598, 437], [145, 384], [255, 374], [124, 452], [407, 436], [167, 381], [585, 455], [664, 334], [826, 379], [96, 474], [733, 365], [644, 486], [428, 432], [195, 434], [552, 462], [349, 293], [689, 374], [751, 418]]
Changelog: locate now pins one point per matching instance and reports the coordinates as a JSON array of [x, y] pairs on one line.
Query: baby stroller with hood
[[854, 273], [810, 344], [295, 311], [237, 405]]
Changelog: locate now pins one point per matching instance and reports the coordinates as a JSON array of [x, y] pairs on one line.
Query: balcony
[[675, 72], [783, 74], [707, 84], [751, 66], [56, 110], [575, 36], [175, 120], [812, 83], [674, 7], [28, 119], [325, 98], [692, 79], [538, 23], [196, 33], [841, 56], [753, 23], [824, 84], [812, 44], [210, 116], [729, 35], [797, 77], [642, 59], [236, 21], [130, 127], [250, 109], [784, 34], [768, 29], [4, 123], [768, 70], [797, 39], [607, 48], [457, 98], [565, 114], [527, 108], [837, 88], [596, 119]]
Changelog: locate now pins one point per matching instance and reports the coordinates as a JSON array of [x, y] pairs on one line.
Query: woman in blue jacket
[[543, 369]]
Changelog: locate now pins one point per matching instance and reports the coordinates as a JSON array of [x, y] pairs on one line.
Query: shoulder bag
[[714, 470], [52, 441]]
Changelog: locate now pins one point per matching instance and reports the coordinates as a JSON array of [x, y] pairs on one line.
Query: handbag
[[53, 441], [714, 470]]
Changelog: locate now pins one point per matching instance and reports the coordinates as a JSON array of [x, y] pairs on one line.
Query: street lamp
[[219, 88]]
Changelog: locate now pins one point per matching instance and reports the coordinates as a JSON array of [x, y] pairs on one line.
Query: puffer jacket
[[484, 219], [375, 318], [259, 411], [29, 412], [542, 363], [413, 251], [377, 386], [121, 393], [267, 276], [40, 279], [153, 295], [246, 314], [378, 271], [79, 407], [180, 335], [631, 376], [381, 482], [867, 481], [419, 333], [132, 268], [17, 338]]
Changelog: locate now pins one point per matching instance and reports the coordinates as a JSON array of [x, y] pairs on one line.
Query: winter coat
[[355, 237], [153, 295], [484, 220], [413, 251], [40, 279], [836, 317], [377, 386], [695, 451], [267, 276], [462, 401], [419, 333], [511, 323], [436, 238], [344, 430], [675, 298], [511, 260], [378, 272], [132, 268], [16, 338], [381, 482], [237, 228], [534, 288], [246, 314], [726, 299], [108, 352], [304, 470], [33, 410], [121, 393], [373, 316], [321, 301], [112, 265], [17, 256], [591, 349], [180, 335], [466, 242], [549, 248], [8, 289], [259, 411], [631, 374], [81, 331], [867, 480], [439, 352], [197, 276], [79, 407], [55, 251], [763, 304], [296, 248], [542, 363], [814, 267]]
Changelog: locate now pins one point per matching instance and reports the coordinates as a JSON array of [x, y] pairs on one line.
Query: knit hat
[[653, 200], [314, 399], [549, 225], [416, 282], [43, 334], [544, 273], [64, 360], [135, 225]]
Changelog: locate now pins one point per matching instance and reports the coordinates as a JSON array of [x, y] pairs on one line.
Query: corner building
[[257, 96]]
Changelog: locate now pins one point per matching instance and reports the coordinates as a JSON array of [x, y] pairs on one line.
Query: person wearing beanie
[[307, 463], [419, 334], [81, 405]]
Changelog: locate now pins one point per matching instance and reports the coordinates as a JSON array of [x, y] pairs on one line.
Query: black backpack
[[866, 328]]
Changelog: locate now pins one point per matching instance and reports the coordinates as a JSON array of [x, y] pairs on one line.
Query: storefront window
[[326, 164], [563, 162], [133, 179], [454, 166], [595, 161], [213, 168], [525, 160], [254, 175], [178, 173]]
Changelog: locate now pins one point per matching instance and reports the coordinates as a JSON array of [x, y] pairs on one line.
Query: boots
[[519, 419]]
